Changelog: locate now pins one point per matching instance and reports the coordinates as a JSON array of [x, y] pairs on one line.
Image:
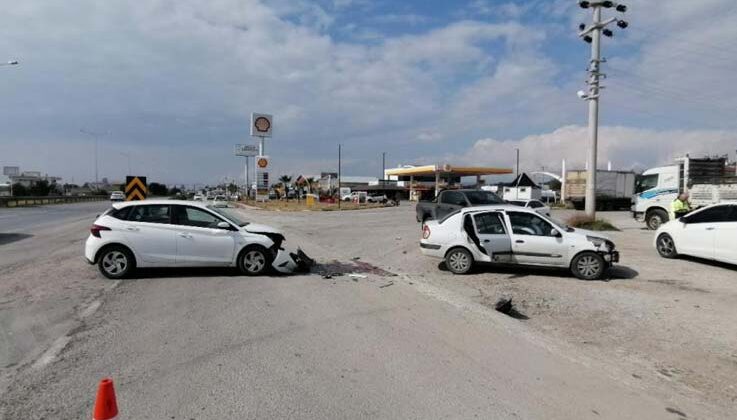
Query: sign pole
[[246, 178]]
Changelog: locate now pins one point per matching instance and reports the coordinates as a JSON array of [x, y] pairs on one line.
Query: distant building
[[522, 188], [5, 186], [30, 178]]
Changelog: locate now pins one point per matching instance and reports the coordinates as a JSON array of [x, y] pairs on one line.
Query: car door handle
[[132, 229], [710, 228], [486, 241], [185, 235], [519, 241]]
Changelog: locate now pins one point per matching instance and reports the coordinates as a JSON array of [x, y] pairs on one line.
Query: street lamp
[[96, 136]]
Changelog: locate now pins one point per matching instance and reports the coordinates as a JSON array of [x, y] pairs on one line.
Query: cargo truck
[[707, 180], [613, 189]]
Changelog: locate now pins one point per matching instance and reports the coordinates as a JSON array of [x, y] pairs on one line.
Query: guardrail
[[40, 201]]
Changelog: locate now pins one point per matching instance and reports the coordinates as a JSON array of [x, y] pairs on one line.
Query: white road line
[[49, 355]]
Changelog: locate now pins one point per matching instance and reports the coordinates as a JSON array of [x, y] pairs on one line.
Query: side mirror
[[224, 225], [555, 233]]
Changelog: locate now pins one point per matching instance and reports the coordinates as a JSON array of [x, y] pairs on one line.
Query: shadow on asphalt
[[618, 272], [7, 238], [162, 273], [711, 263]]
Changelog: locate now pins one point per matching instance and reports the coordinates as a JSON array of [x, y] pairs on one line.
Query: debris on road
[[506, 307], [391, 283], [357, 276]]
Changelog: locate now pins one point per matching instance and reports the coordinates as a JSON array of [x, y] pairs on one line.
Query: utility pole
[[383, 168], [339, 197], [592, 34], [517, 163], [96, 137]]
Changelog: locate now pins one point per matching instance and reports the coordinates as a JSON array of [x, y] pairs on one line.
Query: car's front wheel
[[666, 246], [459, 261], [254, 261], [588, 266], [116, 262]]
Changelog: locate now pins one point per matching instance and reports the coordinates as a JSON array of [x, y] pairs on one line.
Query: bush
[[585, 222]]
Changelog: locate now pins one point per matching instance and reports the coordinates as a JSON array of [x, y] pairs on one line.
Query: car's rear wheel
[[116, 262], [254, 261], [588, 266], [459, 261], [666, 246]]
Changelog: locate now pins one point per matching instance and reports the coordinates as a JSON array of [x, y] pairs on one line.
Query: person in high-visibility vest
[[680, 206]]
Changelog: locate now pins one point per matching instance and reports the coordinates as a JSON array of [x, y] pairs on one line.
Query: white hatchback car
[[508, 234], [169, 233], [710, 232]]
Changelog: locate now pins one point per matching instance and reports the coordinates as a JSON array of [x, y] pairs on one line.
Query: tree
[[155, 188], [19, 190], [232, 188], [40, 188], [175, 191]]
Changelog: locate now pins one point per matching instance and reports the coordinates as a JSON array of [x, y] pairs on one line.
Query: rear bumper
[[431, 250]]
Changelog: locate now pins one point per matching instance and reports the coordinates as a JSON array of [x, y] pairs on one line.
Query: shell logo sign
[[262, 162]]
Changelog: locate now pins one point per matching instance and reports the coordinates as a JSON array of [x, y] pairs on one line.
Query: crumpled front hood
[[257, 228], [594, 233]]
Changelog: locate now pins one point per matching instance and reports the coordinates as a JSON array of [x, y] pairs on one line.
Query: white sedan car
[[169, 233], [508, 234], [536, 205], [710, 232]]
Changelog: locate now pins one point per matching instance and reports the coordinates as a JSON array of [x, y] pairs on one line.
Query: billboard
[[246, 150], [262, 177], [11, 170]]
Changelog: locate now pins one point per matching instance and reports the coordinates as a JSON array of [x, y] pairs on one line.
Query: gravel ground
[[657, 339]]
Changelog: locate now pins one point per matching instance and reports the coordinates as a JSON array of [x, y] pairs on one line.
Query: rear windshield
[[121, 214], [483, 197]]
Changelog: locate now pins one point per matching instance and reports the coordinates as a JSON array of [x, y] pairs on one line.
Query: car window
[[121, 214], [191, 216], [529, 224], [535, 204], [714, 214], [479, 198], [733, 214], [517, 203], [149, 214], [453, 197], [489, 224]]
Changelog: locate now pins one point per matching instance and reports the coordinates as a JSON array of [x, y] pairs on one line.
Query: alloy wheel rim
[[114, 262], [588, 266], [254, 261], [666, 245], [458, 261]]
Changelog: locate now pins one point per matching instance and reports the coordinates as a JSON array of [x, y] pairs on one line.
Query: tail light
[[95, 230], [425, 231]]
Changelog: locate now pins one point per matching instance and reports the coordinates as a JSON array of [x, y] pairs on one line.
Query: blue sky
[[466, 82]]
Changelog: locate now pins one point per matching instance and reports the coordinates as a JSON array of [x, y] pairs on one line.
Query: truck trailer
[[614, 189], [707, 180]]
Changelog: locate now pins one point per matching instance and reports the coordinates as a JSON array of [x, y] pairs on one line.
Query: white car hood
[[597, 234], [257, 228]]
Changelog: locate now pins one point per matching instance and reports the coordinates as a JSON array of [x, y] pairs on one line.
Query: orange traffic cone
[[105, 406]]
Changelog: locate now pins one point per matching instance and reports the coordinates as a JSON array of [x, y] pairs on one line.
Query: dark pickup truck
[[449, 201]]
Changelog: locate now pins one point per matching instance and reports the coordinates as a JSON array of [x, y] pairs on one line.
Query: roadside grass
[[585, 222]]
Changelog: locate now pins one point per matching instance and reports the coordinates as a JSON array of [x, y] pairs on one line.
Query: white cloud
[[627, 148]]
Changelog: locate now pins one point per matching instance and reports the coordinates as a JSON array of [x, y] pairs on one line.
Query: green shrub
[[585, 222]]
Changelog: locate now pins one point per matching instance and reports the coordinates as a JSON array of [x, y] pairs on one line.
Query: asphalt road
[[201, 344], [21, 219]]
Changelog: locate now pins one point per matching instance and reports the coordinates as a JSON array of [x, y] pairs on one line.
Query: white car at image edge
[[709, 232], [172, 233], [537, 205], [512, 235]]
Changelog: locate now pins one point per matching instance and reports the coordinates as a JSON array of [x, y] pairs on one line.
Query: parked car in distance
[[220, 201], [536, 205], [512, 235], [171, 233], [198, 197], [117, 196], [709, 232], [376, 199], [449, 201]]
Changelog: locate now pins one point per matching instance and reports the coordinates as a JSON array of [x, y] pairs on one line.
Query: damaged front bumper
[[610, 257], [292, 262]]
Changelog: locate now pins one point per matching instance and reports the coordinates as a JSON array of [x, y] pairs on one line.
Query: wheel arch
[[454, 247]]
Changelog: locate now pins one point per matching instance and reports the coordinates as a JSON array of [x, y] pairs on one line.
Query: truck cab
[[655, 189]]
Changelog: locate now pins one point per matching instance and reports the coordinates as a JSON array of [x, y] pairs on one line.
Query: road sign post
[[246, 150]]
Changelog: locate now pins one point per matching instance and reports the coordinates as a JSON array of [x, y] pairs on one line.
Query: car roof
[[159, 201], [492, 207]]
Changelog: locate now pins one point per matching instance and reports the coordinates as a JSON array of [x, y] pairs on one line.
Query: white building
[[522, 188]]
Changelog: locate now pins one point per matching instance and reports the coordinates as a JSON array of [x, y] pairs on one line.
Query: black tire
[[655, 219], [588, 266], [459, 261], [116, 262], [254, 260], [666, 246]]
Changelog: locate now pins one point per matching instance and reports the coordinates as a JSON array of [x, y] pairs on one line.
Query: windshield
[[482, 198], [645, 182], [229, 214]]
